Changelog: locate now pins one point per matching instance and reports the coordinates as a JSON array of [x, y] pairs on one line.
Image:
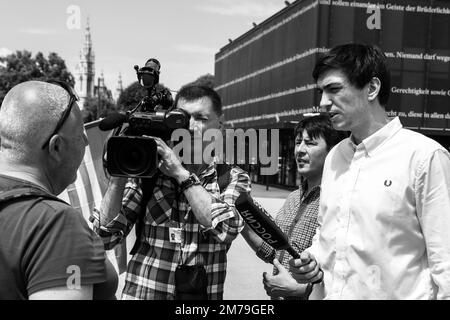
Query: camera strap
[[223, 176], [147, 186]]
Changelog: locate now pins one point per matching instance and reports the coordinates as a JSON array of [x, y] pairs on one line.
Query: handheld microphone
[[263, 224], [112, 121]]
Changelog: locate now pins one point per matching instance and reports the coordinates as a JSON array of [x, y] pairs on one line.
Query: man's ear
[[373, 89], [55, 147]]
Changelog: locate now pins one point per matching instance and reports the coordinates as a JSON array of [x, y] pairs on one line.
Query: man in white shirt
[[384, 217]]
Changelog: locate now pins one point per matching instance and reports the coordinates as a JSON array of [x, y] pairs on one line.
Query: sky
[[184, 35]]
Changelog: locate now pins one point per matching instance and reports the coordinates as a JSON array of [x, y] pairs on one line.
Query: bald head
[[28, 115]]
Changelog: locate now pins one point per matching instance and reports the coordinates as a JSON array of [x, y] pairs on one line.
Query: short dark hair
[[360, 63], [320, 126], [194, 92]]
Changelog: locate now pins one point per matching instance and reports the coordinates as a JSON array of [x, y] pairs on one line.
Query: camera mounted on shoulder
[[129, 154]]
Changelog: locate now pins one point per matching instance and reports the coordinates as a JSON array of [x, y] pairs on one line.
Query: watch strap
[[192, 180]]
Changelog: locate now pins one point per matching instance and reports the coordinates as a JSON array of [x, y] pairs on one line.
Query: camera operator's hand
[[169, 164], [197, 196]]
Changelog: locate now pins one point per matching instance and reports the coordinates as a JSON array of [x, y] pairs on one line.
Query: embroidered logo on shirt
[[387, 183]]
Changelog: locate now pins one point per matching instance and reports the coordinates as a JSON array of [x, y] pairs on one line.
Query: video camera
[[131, 154]]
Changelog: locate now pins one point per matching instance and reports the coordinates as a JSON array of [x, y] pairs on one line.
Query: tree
[[206, 80], [133, 94], [95, 108], [22, 66]]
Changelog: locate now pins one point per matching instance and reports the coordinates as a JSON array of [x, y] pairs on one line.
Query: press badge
[[175, 235]]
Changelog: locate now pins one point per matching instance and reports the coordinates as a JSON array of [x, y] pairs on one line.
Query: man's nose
[[195, 126], [325, 102], [301, 148], [192, 124]]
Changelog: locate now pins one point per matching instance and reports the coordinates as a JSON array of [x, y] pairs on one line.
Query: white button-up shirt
[[384, 218]]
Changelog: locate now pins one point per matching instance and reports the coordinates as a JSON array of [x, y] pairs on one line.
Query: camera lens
[[134, 159], [132, 156]]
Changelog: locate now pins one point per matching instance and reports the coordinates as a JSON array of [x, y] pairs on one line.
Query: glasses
[[73, 97]]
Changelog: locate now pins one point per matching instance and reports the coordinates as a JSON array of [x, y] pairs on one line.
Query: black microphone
[[263, 224], [112, 121]]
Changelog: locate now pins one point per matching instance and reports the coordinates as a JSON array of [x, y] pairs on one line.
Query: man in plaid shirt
[[314, 137], [188, 220]]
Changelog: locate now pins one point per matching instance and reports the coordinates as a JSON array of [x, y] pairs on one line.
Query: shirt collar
[[25, 179], [303, 187], [372, 142]]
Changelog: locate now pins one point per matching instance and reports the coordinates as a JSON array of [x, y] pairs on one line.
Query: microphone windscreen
[[261, 222], [112, 121]]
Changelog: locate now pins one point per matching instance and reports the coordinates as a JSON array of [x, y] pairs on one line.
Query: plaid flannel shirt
[[151, 271], [298, 220]]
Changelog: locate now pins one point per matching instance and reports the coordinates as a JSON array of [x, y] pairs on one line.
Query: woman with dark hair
[[314, 137]]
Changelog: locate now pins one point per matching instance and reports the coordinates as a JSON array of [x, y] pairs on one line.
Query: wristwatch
[[189, 182]]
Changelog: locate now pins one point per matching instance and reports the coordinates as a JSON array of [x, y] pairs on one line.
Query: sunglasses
[[73, 97]]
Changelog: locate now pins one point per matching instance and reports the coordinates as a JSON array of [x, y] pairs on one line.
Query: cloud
[[5, 51], [39, 31], [249, 9], [194, 48]]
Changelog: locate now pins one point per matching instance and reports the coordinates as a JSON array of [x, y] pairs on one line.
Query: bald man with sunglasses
[[47, 250]]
